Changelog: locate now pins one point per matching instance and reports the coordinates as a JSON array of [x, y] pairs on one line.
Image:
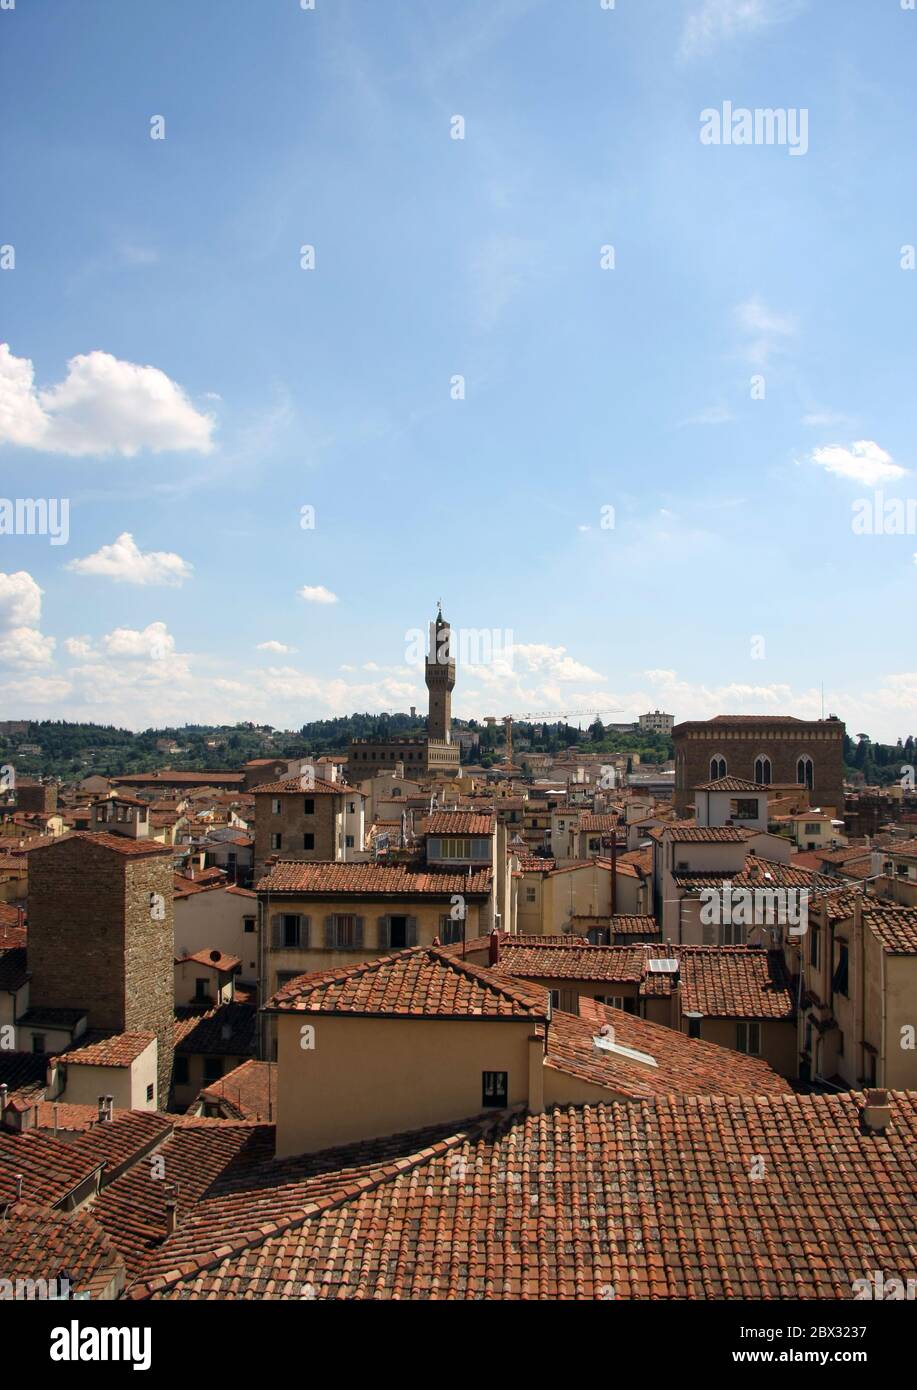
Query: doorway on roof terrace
[[398, 938]]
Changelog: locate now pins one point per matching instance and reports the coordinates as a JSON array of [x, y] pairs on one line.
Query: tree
[[597, 730]]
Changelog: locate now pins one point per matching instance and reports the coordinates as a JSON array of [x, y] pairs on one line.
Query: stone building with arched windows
[[767, 749]]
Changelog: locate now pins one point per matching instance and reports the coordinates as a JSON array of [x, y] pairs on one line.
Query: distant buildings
[[656, 723]]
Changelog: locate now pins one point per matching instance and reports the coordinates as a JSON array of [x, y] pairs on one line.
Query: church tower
[[440, 678]]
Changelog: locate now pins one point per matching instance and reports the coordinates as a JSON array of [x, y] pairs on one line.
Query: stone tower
[[101, 936], [440, 678]]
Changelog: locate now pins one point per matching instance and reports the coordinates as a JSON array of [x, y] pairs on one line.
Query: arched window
[[763, 771], [805, 772], [717, 768]]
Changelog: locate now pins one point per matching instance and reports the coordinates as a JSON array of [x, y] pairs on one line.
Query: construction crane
[[563, 713]]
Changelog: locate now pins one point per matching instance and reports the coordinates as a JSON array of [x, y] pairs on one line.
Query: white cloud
[[102, 406], [278, 648], [80, 647], [21, 641], [153, 642], [124, 561], [317, 593], [766, 330], [863, 462], [719, 21]]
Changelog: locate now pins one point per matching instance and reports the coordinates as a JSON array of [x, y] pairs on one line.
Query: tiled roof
[[119, 1050], [121, 844], [571, 959], [56, 1114], [294, 784], [228, 1030], [894, 927], [249, 1092], [122, 1140], [908, 848], [23, 1070], [652, 1199], [459, 823], [376, 880], [707, 834], [422, 983], [36, 1242], [213, 960], [730, 784], [132, 1209], [9, 922], [684, 1066], [50, 1168], [757, 873], [735, 982], [605, 821]]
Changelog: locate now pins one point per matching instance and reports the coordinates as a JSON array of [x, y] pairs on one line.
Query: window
[[450, 930], [813, 827], [276, 841], [717, 768], [149, 1091], [734, 934], [308, 806], [200, 988], [344, 931], [813, 946], [694, 1027], [352, 808], [746, 808], [213, 1069], [248, 924], [494, 1089], [308, 842], [275, 805], [805, 772], [566, 1000], [291, 930], [840, 982], [38, 1042], [181, 1070], [530, 895], [763, 771], [348, 841], [748, 1039]]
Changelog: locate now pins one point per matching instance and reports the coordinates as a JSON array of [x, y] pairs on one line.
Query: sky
[[314, 316]]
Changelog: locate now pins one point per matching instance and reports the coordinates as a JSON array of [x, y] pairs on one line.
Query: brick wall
[[292, 824], [698, 741], [95, 944]]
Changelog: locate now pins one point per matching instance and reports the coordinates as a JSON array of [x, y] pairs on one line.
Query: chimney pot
[[493, 954]]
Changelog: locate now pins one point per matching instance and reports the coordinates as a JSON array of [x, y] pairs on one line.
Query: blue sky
[[193, 388]]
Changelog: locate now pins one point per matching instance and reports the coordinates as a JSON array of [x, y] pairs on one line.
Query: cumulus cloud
[[21, 641], [124, 561], [863, 462], [103, 406], [278, 648], [317, 593]]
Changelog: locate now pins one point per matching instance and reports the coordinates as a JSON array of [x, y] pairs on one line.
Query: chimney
[[110, 1106], [876, 1113], [101, 1104], [493, 952], [171, 1206]]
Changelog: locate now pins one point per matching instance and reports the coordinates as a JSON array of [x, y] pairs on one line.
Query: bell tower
[[440, 679]]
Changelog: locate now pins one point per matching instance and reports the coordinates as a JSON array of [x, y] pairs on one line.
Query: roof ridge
[[351, 1187], [484, 975]]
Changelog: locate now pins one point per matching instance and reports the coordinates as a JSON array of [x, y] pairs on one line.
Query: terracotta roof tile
[[459, 823], [36, 1242], [118, 1050], [376, 880], [630, 1200], [422, 983], [894, 927]]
